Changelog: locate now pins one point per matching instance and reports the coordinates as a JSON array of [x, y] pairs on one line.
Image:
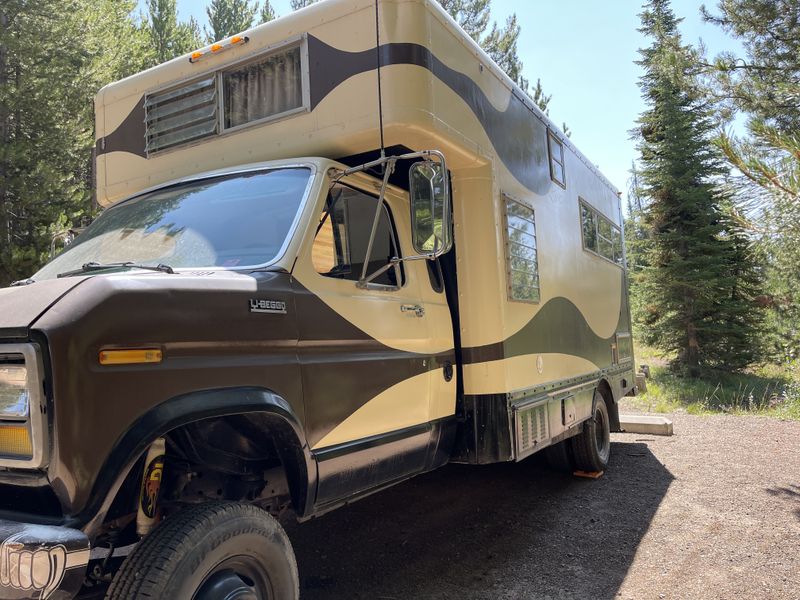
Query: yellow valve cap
[[130, 356], [15, 440]]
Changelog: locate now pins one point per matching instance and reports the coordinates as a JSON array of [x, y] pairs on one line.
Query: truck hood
[[21, 306]]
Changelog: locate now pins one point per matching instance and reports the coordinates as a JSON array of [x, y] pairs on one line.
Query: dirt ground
[[712, 512]]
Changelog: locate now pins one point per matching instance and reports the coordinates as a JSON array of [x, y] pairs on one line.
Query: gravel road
[[712, 512]]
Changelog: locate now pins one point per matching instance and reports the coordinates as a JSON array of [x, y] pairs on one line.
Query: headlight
[[14, 397], [23, 420]]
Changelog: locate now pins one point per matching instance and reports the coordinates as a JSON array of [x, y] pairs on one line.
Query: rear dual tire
[[590, 450]]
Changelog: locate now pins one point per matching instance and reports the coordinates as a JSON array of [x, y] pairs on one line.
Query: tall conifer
[[229, 17], [698, 286], [54, 56], [168, 36]]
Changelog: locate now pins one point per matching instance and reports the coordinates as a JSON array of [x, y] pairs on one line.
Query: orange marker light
[[218, 47], [132, 356]]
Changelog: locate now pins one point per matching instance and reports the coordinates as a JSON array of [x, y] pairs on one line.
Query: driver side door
[[365, 351]]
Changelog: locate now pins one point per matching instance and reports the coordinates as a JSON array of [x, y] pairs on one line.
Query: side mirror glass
[[431, 222]]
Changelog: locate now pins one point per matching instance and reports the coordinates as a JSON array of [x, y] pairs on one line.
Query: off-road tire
[[591, 448], [176, 559]]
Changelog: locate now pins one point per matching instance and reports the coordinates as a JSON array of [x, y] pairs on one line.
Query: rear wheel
[[209, 552], [591, 449]]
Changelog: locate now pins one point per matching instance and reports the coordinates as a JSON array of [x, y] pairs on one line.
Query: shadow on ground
[[500, 531], [791, 492]]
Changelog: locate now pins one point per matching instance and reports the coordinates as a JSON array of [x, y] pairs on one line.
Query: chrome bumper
[[39, 562]]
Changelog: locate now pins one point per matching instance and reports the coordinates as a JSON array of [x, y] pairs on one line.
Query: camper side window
[[267, 88], [600, 236], [521, 257], [340, 245], [556, 149]]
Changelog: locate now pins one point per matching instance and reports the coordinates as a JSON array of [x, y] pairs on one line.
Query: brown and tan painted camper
[[339, 250]]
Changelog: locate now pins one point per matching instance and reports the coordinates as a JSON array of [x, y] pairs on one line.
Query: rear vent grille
[[181, 115], [531, 428]]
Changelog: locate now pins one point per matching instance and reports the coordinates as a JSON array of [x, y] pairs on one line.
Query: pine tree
[[168, 37], [267, 12], [541, 99], [229, 17], [298, 4], [500, 43], [698, 288], [54, 56], [763, 85]]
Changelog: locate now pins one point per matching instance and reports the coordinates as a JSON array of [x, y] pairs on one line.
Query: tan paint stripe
[[521, 372], [402, 405]]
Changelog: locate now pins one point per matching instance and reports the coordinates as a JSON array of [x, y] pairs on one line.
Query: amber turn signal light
[[130, 356], [15, 440]]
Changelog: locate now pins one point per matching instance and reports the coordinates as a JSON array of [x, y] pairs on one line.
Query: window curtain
[[263, 89]]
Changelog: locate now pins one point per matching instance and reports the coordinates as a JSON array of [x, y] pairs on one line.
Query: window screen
[[263, 89], [521, 256], [181, 115], [556, 159], [340, 245], [600, 235]]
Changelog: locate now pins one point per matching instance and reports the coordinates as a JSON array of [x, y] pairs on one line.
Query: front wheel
[[591, 449], [211, 551]]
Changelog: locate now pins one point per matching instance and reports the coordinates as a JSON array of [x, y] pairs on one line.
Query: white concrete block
[[649, 424]]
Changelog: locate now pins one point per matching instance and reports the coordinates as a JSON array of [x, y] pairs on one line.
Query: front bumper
[[40, 562]]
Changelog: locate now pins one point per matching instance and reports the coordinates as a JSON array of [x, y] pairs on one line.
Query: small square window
[[556, 149]]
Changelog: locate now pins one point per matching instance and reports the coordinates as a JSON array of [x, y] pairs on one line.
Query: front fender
[[196, 406]]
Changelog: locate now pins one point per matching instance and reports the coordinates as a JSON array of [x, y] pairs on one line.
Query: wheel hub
[[227, 584]]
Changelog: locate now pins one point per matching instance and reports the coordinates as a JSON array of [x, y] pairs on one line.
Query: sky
[[583, 51]]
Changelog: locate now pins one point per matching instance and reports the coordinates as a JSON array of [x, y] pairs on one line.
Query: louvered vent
[[181, 115], [532, 428]]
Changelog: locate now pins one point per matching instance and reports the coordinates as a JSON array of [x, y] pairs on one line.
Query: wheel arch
[[192, 407]]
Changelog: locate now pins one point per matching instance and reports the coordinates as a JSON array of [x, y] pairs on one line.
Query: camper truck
[[338, 250]]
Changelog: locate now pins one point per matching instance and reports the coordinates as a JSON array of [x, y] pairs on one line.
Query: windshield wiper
[[90, 267]]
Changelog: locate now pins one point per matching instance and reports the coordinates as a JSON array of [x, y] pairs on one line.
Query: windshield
[[239, 220]]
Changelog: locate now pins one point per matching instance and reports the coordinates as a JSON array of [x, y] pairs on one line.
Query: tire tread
[[141, 575]]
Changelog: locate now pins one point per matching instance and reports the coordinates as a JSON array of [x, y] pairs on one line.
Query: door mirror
[[431, 222]]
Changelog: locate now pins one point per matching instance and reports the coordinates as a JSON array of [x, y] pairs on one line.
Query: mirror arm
[[386, 174], [394, 263], [388, 159]]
